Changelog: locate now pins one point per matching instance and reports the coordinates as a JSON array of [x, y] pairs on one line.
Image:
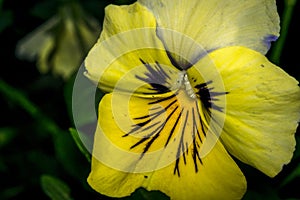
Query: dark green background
[[29, 148]]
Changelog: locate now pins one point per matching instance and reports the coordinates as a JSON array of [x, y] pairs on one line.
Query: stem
[[289, 6], [17, 97]]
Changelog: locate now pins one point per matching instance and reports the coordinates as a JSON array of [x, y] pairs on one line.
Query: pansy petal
[[148, 125], [214, 176], [129, 53], [218, 178], [214, 24], [142, 72], [124, 18], [263, 109]]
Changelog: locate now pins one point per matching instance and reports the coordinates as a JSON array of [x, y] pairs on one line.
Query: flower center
[[183, 82]]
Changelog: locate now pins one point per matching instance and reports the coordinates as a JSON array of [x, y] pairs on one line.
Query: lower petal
[[130, 153], [218, 177], [263, 109]]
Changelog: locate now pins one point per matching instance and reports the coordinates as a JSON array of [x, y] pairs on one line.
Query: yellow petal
[[124, 18], [122, 60], [145, 127], [142, 72], [216, 23], [263, 109], [123, 162], [218, 178]]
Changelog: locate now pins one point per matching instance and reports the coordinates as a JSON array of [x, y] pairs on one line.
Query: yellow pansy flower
[[187, 87]]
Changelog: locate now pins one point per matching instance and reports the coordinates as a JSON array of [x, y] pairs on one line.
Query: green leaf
[[122, 2], [68, 90], [142, 194], [79, 144], [297, 150], [70, 157], [6, 19], [294, 174], [266, 193], [6, 135], [44, 9], [19, 98], [276, 51], [82, 98], [11, 192], [55, 188]]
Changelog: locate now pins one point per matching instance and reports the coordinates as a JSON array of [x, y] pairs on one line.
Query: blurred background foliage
[[40, 154]]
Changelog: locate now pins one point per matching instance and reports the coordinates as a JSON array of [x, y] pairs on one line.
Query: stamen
[[179, 80], [183, 82], [188, 87]]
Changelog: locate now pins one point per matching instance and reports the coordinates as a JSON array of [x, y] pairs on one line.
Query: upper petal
[[216, 23], [129, 55], [125, 18], [263, 109]]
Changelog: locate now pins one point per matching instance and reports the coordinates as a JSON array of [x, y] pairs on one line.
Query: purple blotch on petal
[[268, 39]]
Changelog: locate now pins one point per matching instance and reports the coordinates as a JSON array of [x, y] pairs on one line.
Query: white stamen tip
[[183, 81]]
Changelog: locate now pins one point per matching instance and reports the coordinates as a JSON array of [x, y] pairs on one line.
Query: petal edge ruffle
[[263, 109], [217, 175], [215, 24]]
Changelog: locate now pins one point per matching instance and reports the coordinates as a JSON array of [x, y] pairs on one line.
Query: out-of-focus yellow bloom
[[62, 42]]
